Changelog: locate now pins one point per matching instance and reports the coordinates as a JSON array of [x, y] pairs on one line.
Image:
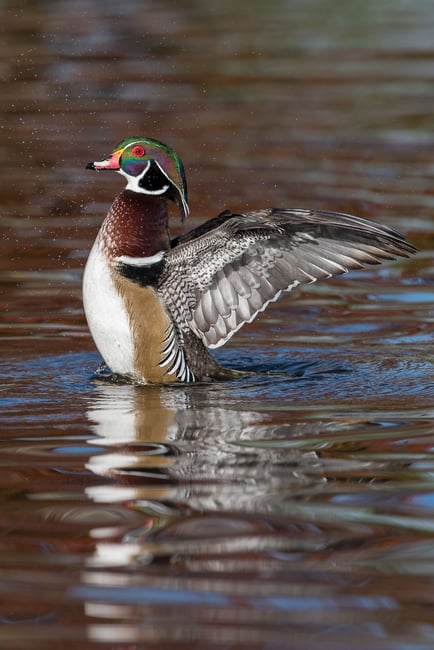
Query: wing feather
[[222, 274], [228, 292], [209, 307], [240, 287], [223, 309]]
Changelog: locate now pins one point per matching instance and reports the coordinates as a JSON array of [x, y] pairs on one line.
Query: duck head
[[150, 167]]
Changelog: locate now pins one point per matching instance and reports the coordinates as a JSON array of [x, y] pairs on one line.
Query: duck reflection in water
[[197, 470]]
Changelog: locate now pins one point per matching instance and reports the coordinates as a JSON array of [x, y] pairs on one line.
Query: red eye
[[139, 151]]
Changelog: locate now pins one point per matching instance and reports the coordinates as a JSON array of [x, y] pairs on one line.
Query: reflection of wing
[[223, 273]]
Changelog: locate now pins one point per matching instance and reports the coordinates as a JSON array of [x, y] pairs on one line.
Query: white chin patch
[[133, 183]]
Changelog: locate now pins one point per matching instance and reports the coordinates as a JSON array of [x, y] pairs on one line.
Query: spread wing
[[223, 273]]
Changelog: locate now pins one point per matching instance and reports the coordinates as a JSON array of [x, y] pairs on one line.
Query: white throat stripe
[[140, 261]]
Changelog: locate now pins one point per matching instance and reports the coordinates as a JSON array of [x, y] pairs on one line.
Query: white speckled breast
[[106, 313]]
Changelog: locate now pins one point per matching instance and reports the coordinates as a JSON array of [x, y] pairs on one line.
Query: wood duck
[[155, 305]]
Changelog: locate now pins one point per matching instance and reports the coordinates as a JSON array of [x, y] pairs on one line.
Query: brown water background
[[290, 510]]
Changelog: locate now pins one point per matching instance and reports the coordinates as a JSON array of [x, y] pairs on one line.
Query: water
[[287, 509]]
